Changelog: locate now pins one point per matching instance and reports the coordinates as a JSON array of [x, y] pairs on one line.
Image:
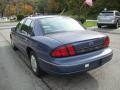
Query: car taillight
[[64, 51], [106, 42]]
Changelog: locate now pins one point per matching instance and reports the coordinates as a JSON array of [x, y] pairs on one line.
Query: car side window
[[117, 14], [19, 25], [25, 29], [31, 29]]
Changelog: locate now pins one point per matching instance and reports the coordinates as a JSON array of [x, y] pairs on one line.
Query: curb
[[103, 31]]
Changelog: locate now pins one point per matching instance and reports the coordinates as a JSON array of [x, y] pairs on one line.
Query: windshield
[[107, 14], [59, 24]]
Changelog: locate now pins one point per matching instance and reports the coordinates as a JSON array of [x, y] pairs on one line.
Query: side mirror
[[13, 29]]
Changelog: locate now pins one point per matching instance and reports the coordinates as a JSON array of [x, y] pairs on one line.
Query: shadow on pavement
[[110, 30], [83, 81]]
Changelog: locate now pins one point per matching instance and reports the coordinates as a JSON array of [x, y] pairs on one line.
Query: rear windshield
[[107, 14], [59, 24]]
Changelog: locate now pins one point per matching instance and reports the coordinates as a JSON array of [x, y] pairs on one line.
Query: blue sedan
[[59, 45]]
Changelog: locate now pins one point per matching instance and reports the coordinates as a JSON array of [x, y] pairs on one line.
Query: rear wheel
[[35, 65], [117, 25], [99, 26]]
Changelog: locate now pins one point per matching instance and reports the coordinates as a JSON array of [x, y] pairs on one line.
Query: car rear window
[[59, 24], [107, 14]]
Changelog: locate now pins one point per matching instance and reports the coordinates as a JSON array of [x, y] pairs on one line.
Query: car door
[[24, 35], [118, 17], [17, 31]]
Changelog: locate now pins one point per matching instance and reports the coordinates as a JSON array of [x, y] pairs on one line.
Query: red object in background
[[89, 2]]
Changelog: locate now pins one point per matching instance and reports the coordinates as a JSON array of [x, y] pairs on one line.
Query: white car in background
[[108, 18]]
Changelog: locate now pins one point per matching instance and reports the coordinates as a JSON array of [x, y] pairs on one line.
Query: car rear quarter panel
[[43, 46]]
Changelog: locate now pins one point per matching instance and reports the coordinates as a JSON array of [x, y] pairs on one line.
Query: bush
[[75, 17], [81, 18], [20, 17]]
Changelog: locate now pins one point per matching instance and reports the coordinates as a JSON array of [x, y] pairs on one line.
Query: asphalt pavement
[[7, 25], [15, 74], [106, 30]]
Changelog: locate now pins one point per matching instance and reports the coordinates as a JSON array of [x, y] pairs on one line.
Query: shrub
[[82, 19], [75, 17], [20, 17]]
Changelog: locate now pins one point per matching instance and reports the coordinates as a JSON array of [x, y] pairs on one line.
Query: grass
[[90, 23]]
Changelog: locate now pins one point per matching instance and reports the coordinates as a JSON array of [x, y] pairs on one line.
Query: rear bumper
[[108, 23], [82, 65]]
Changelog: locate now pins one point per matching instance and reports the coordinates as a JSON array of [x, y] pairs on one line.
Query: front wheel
[[13, 45], [35, 65]]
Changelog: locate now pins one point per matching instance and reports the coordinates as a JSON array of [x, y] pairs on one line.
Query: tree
[[3, 4], [20, 7], [49, 6], [63, 6], [53, 6], [99, 5], [72, 7], [41, 5]]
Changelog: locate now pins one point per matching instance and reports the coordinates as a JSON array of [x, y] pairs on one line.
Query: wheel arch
[[10, 36], [28, 50]]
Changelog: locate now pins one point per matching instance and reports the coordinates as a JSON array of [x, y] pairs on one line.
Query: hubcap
[[33, 63]]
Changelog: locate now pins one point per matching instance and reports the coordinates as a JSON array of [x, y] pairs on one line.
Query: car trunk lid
[[83, 41], [76, 36]]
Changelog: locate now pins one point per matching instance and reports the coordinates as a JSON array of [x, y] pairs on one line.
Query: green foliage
[[75, 17], [73, 7], [99, 5], [90, 24], [82, 19], [20, 17], [40, 5], [64, 7]]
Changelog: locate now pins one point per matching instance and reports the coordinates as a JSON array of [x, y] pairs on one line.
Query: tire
[[35, 66], [99, 26], [13, 45], [117, 25]]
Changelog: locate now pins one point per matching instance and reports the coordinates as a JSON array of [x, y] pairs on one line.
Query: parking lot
[[15, 75]]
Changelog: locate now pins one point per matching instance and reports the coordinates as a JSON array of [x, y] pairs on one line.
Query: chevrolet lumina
[[59, 45]]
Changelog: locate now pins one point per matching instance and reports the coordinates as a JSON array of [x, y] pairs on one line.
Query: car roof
[[43, 16], [110, 11]]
